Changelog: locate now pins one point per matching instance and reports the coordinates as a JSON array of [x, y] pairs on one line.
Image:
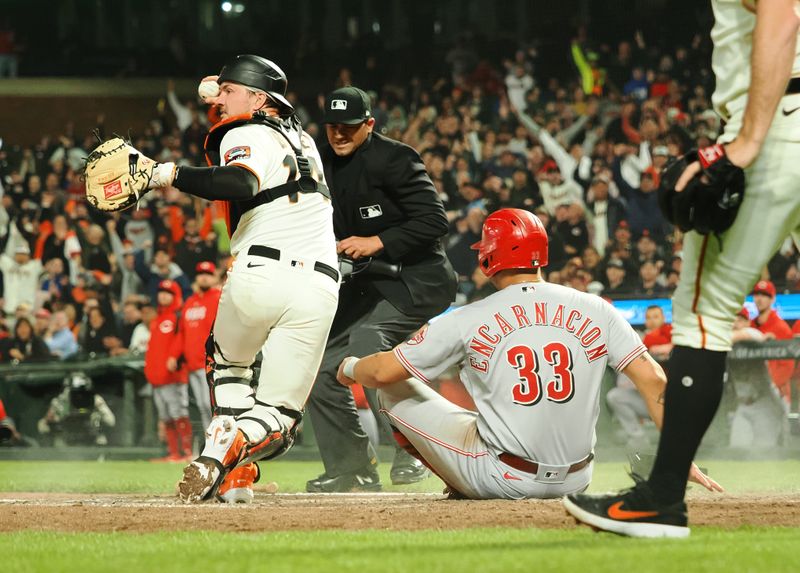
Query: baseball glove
[[117, 175], [710, 200]]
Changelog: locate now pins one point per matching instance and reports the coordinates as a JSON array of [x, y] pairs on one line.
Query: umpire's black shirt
[[382, 189]]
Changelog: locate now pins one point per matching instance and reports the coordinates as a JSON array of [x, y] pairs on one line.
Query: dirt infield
[[137, 513]]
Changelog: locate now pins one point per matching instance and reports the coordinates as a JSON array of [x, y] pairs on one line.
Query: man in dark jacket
[[385, 208]]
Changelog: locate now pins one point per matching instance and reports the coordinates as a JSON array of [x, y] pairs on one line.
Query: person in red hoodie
[[170, 389], [195, 325], [774, 328]]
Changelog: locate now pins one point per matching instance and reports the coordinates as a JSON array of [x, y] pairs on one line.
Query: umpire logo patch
[[339, 104], [370, 211], [241, 152]]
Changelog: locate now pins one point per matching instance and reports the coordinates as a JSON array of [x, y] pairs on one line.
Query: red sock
[[184, 427], [172, 438]]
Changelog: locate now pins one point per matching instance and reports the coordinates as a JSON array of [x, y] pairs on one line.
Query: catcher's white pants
[[719, 272], [285, 310], [447, 437]]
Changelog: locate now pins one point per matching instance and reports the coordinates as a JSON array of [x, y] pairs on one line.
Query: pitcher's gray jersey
[[532, 357]]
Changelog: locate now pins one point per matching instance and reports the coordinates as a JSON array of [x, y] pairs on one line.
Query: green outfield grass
[[768, 549], [150, 478], [772, 550]]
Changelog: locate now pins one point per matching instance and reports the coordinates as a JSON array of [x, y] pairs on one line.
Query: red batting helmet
[[512, 239]]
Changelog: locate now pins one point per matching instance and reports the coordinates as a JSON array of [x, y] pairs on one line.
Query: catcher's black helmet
[[257, 73]]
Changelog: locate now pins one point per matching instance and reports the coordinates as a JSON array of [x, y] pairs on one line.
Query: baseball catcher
[[702, 191], [117, 175]]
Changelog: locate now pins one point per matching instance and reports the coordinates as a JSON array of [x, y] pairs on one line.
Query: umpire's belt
[[270, 253], [524, 465], [793, 87]]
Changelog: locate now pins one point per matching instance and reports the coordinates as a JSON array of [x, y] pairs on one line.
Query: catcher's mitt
[[710, 200], [117, 175]]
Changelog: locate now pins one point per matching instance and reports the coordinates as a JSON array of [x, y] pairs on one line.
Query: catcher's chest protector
[[304, 184]]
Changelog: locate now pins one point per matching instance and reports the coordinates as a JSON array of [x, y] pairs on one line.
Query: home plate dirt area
[[394, 511]]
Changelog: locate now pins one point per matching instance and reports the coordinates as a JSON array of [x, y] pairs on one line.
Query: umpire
[[384, 207]]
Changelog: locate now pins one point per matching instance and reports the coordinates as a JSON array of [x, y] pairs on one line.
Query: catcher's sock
[[694, 390], [184, 427], [171, 431]]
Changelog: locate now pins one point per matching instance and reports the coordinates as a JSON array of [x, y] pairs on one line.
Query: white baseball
[[208, 89]]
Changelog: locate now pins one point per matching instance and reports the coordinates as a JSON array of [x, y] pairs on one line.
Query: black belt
[[270, 253], [529, 467], [793, 87]]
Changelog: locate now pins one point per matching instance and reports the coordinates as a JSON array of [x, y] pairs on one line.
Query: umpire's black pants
[[367, 324]]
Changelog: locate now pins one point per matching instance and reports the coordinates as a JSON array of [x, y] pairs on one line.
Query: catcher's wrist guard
[[711, 199], [163, 175]]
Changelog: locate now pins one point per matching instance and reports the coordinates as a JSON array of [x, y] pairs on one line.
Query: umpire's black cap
[[348, 105]]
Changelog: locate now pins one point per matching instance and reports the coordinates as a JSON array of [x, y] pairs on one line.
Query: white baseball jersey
[[532, 357], [301, 228], [732, 34]]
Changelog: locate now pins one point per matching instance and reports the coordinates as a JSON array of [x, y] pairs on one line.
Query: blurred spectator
[[41, 322], [773, 327], [647, 250], [193, 248], [140, 338], [185, 114], [644, 214], [131, 318], [196, 319], [55, 244], [162, 269], [130, 283], [25, 346], [593, 77], [98, 335], [60, 338], [650, 281], [518, 83], [571, 227], [760, 415], [54, 285], [606, 212], [616, 279], [170, 390], [20, 272]]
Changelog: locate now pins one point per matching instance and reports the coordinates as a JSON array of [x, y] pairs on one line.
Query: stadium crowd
[[581, 151]]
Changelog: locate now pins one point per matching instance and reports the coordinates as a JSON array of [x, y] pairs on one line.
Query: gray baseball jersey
[[532, 357]]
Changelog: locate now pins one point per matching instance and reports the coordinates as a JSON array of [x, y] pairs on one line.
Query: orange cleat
[[237, 487]]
